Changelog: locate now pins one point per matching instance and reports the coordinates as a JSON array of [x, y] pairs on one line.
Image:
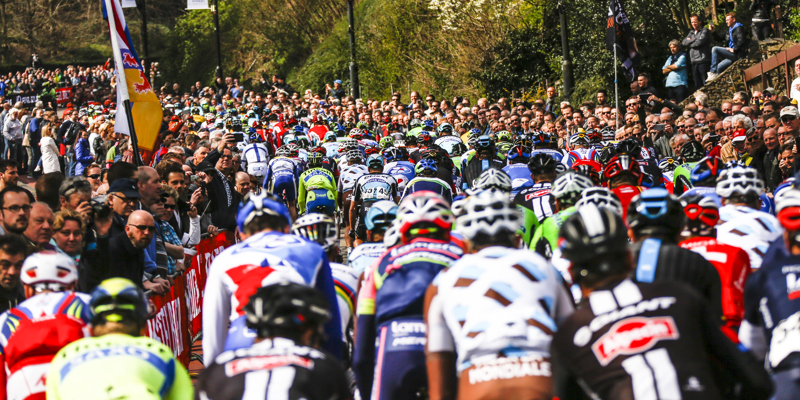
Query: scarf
[[224, 181]]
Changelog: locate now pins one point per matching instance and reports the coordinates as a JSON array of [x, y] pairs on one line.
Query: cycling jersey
[[117, 366], [281, 178], [647, 341], [255, 158], [402, 171], [733, 266], [626, 193], [374, 187], [656, 260], [707, 192], [520, 177], [546, 235], [331, 148], [498, 309], [30, 336], [346, 281], [275, 368], [472, 167], [581, 154], [681, 176], [317, 192], [536, 203], [435, 185], [349, 176], [749, 229], [364, 255], [263, 259], [390, 307]]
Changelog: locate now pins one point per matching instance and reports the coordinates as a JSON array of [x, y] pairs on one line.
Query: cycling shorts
[[258, 169], [285, 185], [320, 201], [400, 371], [512, 377], [347, 198], [361, 226]]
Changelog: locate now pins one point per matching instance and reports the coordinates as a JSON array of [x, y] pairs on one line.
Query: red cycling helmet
[[622, 164]]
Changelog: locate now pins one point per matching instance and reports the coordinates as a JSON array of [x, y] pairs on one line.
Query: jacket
[[761, 9], [113, 257], [734, 38], [699, 45], [83, 156]]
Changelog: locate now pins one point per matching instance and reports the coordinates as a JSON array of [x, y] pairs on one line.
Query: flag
[[619, 34], [132, 84]]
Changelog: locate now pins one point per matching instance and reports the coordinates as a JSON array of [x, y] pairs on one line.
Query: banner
[[619, 34], [197, 272], [128, 3], [28, 99], [170, 324], [63, 95], [196, 4], [146, 111]]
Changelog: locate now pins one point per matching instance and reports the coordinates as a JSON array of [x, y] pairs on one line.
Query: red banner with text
[[63, 95], [197, 272], [170, 324]]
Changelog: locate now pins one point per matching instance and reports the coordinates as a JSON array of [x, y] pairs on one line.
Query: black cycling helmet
[[595, 241], [631, 147], [287, 307], [692, 151], [656, 212], [540, 163], [606, 154], [458, 149]]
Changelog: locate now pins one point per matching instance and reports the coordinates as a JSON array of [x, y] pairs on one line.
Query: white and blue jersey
[[705, 191], [581, 154], [371, 187], [520, 177], [557, 155], [364, 255], [281, 178], [255, 159], [331, 149], [749, 229], [402, 171]]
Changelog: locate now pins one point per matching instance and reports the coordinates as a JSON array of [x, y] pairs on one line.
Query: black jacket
[[762, 8], [11, 298], [113, 257], [699, 45], [739, 39]]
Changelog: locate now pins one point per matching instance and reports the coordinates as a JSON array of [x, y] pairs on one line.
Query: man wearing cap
[[337, 90], [733, 151], [123, 197], [790, 119]]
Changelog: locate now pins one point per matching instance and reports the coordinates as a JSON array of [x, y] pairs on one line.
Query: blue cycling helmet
[[475, 132], [519, 153], [427, 124], [375, 161], [392, 154], [255, 205], [426, 164], [380, 214], [299, 129], [706, 171], [330, 137]]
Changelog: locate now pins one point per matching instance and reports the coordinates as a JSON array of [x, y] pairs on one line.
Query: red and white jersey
[[733, 265], [235, 275], [30, 336], [626, 193]]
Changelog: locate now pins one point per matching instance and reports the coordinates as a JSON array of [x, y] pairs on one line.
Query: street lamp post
[[215, 11], [566, 65], [354, 85]]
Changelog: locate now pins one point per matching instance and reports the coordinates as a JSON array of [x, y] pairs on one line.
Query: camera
[[99, 209]]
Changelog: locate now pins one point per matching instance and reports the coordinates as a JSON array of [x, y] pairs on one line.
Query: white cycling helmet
[[568, 187], [49, 270], [318, 228], [789, 197], [600, 197], [421, 207], [493, 179], [392, 236], [739, 180], [489, 213]]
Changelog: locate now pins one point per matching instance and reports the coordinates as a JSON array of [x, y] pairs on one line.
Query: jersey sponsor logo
[[508, 368], [792, 286], [785, 340], [633, 336], [537, 193], [248, 364], [631, 310]]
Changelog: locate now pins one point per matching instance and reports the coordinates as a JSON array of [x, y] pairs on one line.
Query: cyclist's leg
[[320, 201], [347, 198], [400, 371]]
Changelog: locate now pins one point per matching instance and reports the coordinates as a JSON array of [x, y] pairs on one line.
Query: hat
[[739, 135], [337, 81], [770, 91], [205, 166], [790, 110], [125, 186]]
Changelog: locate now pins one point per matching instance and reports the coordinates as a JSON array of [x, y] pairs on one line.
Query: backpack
[[71, 134]]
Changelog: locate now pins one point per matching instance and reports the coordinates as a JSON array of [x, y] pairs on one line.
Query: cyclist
[[544, 142], [34, 331], [117, 362], [317, 188], [668, 165], [369, 188], [637, 340], [353, 170], [389, 359], [493, 310], [517, 169], [566, 191], [398, 166], [655, 221], [378, 219], [426, 179], [732, 263], [771, 305], [281, 179], [704, 179], [485, 157], [330, 144], [623, 176], [255, 157], [741, 223], [285, 360], [492, 179], [692, 152], [580, 149], [536, 202], [267, 254]]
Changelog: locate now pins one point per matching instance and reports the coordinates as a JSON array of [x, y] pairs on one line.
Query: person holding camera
[[336, 91]]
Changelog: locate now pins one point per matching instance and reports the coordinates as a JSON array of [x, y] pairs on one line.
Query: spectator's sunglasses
[[144, 228], [788, 118]]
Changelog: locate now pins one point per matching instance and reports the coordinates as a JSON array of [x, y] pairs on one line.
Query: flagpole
[[122, 85]]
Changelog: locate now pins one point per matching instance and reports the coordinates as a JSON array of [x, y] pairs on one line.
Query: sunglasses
[[169, 206], [787, 118], [146, 228], [93, 176], [125, 199]]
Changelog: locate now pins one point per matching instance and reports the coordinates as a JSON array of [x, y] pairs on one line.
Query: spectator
[[13, 251], [15, 209], [790, 119], [787, 159], [736, 46], [676, 71], [83, 155], [550, 103], [698, 41], [762, 26], [49, 152], [68, 232], [12, 132], [222, 195], [123, 196], [35, 135], [337, 90], [40, 227], [644, 84], [172, 242], [93, 174], [772, 174], [242, 183], [795, 88], [47, 187]]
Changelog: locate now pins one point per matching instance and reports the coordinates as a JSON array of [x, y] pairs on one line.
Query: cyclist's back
[[536, 203], [749, 229], [317, 191], [254, 159], [520, 177], [402, 171], [431, 184], [117, 366], [364, 255]]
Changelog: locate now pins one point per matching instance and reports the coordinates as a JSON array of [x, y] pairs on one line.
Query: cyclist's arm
[[333, 328], [301, 196], [364, 346], [216, 314], [182, 388], [440, 355]]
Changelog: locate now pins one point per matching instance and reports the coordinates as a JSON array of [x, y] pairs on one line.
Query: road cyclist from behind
[[281, 178], [566, 191], [317, 187], [353, 169], [255, 157], [369, 188], [425, 179], [492, 314], [117, 362], [536, 202], [379, 218]]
